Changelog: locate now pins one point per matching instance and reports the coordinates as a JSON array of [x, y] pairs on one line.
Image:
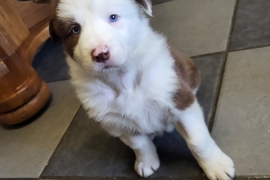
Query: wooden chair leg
[[22, 91]]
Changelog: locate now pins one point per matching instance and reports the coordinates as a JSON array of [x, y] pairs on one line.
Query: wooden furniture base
[[22, 91], [27, 110]]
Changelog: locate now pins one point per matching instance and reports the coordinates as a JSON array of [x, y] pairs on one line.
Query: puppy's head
[[98, 34]]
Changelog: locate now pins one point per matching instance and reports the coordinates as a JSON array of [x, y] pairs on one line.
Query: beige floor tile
[[195, 27], [25, 150], [242, 123]]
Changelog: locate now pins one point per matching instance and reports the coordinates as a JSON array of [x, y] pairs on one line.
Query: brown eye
[[75, 30]]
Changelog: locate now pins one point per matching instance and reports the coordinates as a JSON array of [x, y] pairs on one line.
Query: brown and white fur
[[142, 87]]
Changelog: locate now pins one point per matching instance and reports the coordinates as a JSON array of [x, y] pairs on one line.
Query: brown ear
[[146, 5], [39, 1], [52, 31]]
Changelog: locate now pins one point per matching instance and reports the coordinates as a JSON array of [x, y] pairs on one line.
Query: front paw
[[218, 167], [147, 165]]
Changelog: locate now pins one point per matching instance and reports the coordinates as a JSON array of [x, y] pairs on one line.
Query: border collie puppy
[[131, 82]]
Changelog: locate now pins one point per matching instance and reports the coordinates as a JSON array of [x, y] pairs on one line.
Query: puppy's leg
[[147, 161], [212, 160]]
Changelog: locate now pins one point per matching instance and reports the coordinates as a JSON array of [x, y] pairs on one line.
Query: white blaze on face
[[97, 30]]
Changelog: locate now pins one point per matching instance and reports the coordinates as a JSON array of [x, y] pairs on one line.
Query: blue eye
[[113, 18], [75, 30]]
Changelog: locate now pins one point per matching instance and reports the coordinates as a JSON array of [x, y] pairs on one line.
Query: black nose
[[101, 57]]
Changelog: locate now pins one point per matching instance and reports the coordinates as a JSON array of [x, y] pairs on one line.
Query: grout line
[[254, 177], [210, 54], [216, 97], [249, 48], [155, 4], [19, 178], [44, 168], [232, 25], [212, 117]]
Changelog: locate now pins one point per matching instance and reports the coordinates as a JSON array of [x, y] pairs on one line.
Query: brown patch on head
[[63, 30], [52, 32], [189, 79], [186, 69]]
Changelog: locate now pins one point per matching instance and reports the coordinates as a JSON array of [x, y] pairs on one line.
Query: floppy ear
[[146, 5], [52, 31], [39, 1]]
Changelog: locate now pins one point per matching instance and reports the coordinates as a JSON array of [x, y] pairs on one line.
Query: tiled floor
[[229, 41]]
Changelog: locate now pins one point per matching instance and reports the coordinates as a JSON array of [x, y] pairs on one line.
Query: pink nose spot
[[100, 54]]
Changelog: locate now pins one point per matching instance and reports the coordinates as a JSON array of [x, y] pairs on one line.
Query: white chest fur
[[134, 99]]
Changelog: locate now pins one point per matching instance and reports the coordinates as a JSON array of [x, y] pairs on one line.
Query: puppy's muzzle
[[101, 54]]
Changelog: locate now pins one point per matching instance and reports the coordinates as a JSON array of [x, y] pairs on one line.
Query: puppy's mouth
[[104, 66], [108, 67]]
